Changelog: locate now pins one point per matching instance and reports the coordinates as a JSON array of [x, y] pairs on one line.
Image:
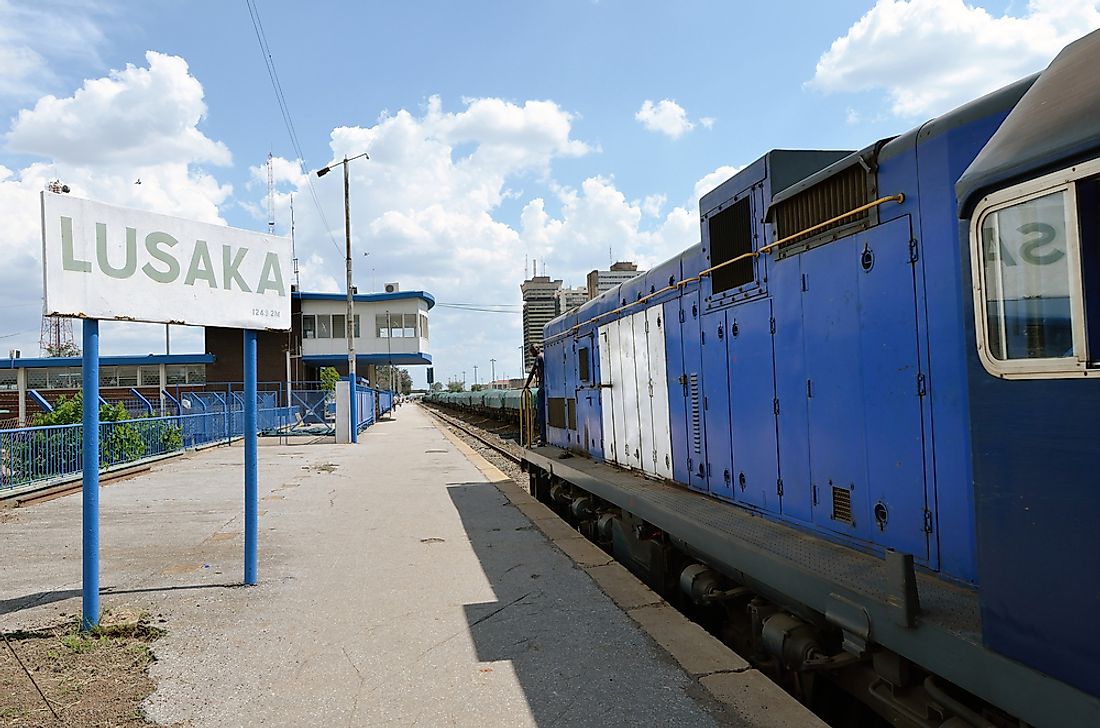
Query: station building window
[[338, 329], [1029, 248], [61, 378], [38, 378], [324, 326], [150, 376], [423, 327], [309, 326], [9, 379]]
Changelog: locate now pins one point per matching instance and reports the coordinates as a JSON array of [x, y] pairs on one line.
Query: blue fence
[[373, 403], [35, 455]]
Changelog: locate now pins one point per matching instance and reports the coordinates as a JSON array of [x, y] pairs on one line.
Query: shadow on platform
[[577, 658]]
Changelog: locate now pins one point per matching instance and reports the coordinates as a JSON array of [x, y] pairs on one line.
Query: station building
[[389, 328]]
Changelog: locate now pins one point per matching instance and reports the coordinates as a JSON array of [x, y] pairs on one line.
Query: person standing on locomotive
[[538, 368]]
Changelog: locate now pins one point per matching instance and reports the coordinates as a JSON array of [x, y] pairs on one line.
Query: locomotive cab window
[[1031, 247], [730, 238]]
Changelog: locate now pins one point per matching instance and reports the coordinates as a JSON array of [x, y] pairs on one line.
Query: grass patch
[[89, 678]]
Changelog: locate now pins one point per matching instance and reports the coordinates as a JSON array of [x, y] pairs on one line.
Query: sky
[[569, 133]]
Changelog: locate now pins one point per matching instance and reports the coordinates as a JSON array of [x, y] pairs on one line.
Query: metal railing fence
[[32, 456]]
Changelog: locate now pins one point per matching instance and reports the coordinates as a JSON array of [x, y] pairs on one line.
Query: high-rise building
[[601, 281], [540, 305], [571, 298]]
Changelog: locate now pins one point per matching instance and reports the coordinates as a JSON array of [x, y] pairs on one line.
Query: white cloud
[[707, 122], [91, 145], [668, 117], [135, 117], [713, 179], [597, 217], [930, 55]]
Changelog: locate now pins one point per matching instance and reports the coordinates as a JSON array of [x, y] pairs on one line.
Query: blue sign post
[[251, 496], [248, 292], [353, 409], [90, 464]]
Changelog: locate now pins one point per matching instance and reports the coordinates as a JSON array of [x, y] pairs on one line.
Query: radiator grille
[[842, 505], [834, 196], [696, 415], [731, 237]]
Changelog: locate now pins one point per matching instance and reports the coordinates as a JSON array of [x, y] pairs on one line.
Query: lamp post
[[493, 375], [349, 323]]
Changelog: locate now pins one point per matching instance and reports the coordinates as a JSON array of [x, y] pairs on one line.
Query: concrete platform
[[398, 585]]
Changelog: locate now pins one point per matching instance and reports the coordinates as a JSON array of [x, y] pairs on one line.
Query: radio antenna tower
[[270, 197], [293, 250], [56, 338]]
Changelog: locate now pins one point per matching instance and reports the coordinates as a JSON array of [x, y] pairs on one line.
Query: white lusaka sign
[[106, 262]]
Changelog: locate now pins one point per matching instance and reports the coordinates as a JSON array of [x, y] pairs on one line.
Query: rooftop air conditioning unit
[[392, 288], [14, 353]]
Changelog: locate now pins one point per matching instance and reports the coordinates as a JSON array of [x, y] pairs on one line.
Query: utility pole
[[349, 323], [493, 364], [475, 375]]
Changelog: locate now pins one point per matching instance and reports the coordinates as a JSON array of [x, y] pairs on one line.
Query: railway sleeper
[[795, 646]]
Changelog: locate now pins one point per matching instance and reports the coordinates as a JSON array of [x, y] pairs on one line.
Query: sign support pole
[[251, 496], [90, 494]]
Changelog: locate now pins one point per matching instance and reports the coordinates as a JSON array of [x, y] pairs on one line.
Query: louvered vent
[[829, 198], [696, 415], [731, 237], [842, 505]]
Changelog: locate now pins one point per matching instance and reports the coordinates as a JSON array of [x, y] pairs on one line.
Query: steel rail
[[468, 429]]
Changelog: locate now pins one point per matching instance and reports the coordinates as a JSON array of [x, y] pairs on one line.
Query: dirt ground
[[97, 679]]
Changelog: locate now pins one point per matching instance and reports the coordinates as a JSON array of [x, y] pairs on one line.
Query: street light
[[349, 324]]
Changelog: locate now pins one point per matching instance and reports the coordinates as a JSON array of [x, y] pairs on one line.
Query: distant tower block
[[56, 338]]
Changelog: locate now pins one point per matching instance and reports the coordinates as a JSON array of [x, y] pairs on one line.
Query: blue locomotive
[[876, 364]]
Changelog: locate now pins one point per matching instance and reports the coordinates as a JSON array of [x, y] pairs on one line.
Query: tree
[[329, 378], [476, 387], [437, 386], [402, 380], [456, 387], [66, 348]]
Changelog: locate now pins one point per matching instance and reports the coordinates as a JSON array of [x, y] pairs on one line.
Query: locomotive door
[[752, 405], [716, 404], [631, 444], [611, 406], [863, 389], [661, 438], [588, 397]]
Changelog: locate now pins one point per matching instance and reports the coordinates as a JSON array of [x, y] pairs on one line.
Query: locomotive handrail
[[898, 198]]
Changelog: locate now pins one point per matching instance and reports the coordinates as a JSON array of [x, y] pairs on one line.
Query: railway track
[[505, 449]]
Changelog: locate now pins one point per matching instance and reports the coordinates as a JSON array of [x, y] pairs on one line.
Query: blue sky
[[497, 131]]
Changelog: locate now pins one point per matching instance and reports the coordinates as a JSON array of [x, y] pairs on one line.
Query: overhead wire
[[284, 109]]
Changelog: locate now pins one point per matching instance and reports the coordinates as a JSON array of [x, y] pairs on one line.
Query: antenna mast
[[270, 197], [293, 250]]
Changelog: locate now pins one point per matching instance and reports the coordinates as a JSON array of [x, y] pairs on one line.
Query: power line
[[472, 309], [284, 109], [479, 305]]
